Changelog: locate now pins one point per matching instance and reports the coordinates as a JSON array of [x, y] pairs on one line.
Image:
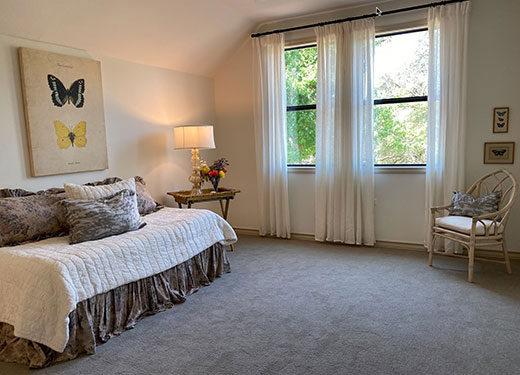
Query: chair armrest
[[492, 215], [440, 208], [496, 218]]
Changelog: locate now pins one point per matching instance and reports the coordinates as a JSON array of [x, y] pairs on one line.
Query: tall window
[[400, 105], [400, 93], [301, 66]]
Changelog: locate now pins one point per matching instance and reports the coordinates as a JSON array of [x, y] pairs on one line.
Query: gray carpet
[[298, 307]]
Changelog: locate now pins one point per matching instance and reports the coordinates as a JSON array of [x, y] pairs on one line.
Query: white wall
[[494, 78], [142, 104]]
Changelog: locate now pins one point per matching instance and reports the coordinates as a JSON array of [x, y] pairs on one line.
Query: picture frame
[[64, 112], [500, 119], [499, 152]]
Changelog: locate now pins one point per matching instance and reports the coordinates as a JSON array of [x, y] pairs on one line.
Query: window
[[400, 93], [400, 100], [301, 66]]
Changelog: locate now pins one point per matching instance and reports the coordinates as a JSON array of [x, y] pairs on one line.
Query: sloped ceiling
[[192, 36]]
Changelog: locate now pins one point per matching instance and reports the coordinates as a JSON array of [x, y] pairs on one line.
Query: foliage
[[399, 129], [301, 70]]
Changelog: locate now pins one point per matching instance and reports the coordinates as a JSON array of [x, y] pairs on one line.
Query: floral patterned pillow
[[31, 218]]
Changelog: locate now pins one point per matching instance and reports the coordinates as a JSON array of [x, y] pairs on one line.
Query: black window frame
[[409, 99], [302, 107]]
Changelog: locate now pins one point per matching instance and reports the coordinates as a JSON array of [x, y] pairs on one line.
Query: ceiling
[[191, 36]]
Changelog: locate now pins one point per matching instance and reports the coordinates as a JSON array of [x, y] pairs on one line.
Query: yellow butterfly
[[66, 138]]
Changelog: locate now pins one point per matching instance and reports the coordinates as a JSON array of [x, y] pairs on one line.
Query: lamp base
[[195, 177]]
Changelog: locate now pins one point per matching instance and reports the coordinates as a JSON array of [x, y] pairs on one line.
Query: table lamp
[[194, 137]]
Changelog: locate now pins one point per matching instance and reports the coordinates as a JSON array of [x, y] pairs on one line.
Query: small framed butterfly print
[[499, 153], [501, 120]]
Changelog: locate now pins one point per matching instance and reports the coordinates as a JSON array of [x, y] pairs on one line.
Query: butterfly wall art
[[501, 120], [61, 95], [499, 153], [63, 98], [71, 137]]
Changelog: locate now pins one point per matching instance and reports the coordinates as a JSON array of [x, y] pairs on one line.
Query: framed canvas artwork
[[501, 120], [499, 152], [64, 114]]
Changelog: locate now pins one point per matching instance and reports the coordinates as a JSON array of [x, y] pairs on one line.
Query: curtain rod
[[378, 13]]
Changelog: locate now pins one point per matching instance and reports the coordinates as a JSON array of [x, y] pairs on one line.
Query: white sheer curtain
[[344, 133], [271, 135], [448, 29]]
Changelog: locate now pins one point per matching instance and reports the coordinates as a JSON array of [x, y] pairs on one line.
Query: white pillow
[[74, 191]]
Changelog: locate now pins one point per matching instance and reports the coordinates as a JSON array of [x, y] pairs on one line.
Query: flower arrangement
[[214, 172]]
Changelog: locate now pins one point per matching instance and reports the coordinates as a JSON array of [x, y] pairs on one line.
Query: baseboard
[[403, 245]]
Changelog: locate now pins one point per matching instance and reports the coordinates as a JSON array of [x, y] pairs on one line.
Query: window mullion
[[409, 99]]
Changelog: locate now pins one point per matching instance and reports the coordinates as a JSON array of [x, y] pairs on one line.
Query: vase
[[214, 182]]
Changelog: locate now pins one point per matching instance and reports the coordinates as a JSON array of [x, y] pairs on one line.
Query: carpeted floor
[[299, 307]]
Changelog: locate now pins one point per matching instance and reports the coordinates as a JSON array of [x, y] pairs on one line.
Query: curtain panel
[[448, 32], [271, 134], [344, 133]]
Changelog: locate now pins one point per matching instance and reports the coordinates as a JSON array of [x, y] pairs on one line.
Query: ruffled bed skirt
[[97, 319]]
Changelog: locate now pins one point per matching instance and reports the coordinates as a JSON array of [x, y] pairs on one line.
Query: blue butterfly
[[501, 113], [499, 152]]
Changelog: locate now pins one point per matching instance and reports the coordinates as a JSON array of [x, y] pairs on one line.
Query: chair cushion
[[462, 224]]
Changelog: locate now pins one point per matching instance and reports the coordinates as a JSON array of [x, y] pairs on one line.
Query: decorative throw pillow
[[466, 205], [99, 189], [31, 218], [145, 202], [85, 192], [8, 193], [95, 219]]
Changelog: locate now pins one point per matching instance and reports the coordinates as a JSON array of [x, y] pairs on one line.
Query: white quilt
[[41, 282]]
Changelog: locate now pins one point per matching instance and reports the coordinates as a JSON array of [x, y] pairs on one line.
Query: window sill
[[377, 169]]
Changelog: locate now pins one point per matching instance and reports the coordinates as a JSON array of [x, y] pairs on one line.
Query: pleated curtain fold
[[448, 32], [344, 133], [271, 135]]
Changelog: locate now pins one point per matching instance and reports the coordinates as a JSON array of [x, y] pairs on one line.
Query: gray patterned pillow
[[145, 202], [95, 219], [466, 205], [31, 218]]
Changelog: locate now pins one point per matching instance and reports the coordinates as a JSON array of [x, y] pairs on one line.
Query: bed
[[58, 301]]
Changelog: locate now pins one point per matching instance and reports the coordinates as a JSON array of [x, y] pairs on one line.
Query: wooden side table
[[223, 194]]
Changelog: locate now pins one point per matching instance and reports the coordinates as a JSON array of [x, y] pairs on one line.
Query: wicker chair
[[484, 230]]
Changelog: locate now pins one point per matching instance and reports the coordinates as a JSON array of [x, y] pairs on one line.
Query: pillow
[[466, 205], [84, 192], [145, 203], [31, 218], [8, 193], [95, 219], [96, 190]]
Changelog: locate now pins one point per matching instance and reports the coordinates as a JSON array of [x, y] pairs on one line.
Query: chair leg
[[431, 249], [506, 256], [471, 262]]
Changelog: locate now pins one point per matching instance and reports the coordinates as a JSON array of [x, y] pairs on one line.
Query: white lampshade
[[193, 136]]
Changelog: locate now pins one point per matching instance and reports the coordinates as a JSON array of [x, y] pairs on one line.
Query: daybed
[[58, 301]]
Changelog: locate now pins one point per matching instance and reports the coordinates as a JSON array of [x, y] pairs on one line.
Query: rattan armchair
[[478, 231]]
